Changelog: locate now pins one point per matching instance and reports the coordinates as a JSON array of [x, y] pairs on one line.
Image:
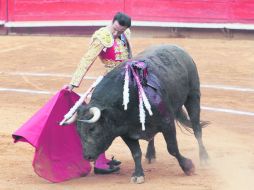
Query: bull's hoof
[[137, 180], [188, 168], [204, 158], [190, 172], [204, 162], [150, 160]]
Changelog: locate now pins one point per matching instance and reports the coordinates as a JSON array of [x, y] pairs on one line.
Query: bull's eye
[[91, 129]]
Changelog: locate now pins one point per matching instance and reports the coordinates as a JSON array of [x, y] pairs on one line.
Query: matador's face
[[117, 29]]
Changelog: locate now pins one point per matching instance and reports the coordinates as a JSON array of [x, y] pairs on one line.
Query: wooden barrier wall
[[3, 11], [188, 11]]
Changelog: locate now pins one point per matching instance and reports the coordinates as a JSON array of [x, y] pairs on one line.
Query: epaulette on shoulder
[[105, 37]]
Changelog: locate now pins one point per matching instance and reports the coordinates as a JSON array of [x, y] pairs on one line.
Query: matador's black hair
[[123, 19]]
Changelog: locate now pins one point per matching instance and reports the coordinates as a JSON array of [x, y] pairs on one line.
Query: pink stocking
[[102, 161]]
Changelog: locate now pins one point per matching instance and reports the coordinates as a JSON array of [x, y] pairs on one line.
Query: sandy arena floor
[[222, 64]]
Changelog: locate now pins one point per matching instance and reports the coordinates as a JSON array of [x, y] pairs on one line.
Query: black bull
[[174, 75]]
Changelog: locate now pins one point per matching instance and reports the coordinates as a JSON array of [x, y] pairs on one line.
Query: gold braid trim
[[110, 63], [104, 36], [101, 38], [86, 61], [127, 33]]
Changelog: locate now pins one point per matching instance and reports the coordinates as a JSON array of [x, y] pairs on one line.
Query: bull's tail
[[184, 120]]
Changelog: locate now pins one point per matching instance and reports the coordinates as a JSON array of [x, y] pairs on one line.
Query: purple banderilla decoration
[[133, 66]]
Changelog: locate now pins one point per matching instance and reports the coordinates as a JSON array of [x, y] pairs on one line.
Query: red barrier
[[3, 10], [59, 10], [193, 11], [188, 11], [178, 11], [243, 11]]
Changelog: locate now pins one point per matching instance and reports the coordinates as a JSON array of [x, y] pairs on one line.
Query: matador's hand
[[70, 87]]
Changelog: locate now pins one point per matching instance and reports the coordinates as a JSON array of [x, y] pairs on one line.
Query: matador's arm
[[86, 61], [101, 39]]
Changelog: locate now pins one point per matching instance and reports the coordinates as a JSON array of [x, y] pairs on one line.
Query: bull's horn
[[71, 120], [96, 115]]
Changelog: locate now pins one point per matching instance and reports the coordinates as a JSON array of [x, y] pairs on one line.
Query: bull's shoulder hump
[[163, 48], [171, 48]]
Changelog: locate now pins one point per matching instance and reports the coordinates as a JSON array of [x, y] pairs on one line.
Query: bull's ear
[[83, 111], [105, 116], [109, 114], [104, 110], [111, 117]]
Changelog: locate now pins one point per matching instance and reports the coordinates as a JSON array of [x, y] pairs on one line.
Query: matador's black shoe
[[114, 162], [109, 170]]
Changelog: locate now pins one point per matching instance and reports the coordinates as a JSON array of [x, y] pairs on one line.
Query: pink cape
[[58, 151]]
